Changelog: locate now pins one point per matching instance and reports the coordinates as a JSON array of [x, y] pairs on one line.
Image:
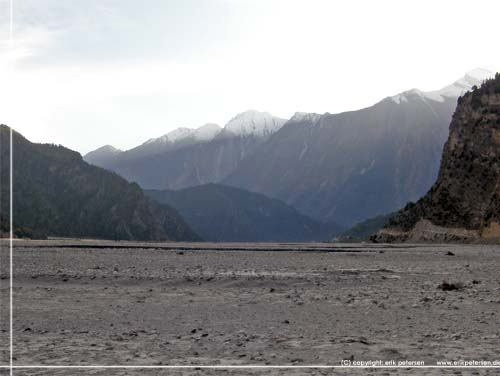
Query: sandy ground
[[122, 303]]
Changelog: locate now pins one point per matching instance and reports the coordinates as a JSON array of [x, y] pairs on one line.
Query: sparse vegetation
[[364, 230]]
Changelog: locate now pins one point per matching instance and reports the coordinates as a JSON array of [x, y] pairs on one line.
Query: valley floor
[[122, 303]]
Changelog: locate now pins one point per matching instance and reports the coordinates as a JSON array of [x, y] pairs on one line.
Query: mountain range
[[188, 157], [341, 168], [56, 193], [356, 165]]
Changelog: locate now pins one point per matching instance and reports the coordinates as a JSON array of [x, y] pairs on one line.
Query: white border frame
[[11, 367]]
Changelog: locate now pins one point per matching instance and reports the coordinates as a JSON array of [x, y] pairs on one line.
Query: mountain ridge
[[56, 193], [188, 162], [353, 165], [247, 123], [226, 214]]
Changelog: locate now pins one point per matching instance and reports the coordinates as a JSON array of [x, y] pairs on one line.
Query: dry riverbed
[[124, 303]]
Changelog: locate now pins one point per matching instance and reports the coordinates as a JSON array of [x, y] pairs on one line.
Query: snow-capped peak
[[172, 136], [179, 134], [254, 123], [305, 116], [247, 123], [204, 133], [455, 90], [207, 132], [405, 95], [464, 84], [478, 74]]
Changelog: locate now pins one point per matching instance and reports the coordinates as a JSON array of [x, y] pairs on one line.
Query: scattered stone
[[362, 340], [453, 286], [449, 253]]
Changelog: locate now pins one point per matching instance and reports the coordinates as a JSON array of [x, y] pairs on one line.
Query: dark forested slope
[[58, 194]]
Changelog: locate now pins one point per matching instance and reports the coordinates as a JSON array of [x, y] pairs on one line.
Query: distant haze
[[95, 72]]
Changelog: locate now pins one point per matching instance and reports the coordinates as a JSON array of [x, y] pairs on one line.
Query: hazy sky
[[84, 73]]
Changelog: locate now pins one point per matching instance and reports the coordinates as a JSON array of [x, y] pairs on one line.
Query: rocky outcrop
[[464, 203], [425, 231]]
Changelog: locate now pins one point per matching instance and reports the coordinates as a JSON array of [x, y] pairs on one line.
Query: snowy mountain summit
[[247, 123], [305, 116], [204, 133], [455, 90], [187, 157], [254, 123]]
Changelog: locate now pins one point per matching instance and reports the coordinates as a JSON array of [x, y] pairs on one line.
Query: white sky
[[84, 73]]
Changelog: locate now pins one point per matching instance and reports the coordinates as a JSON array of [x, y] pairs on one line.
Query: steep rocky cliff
[[464, 203]]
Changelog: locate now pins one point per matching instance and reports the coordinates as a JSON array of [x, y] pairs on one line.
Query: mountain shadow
[[226, 214]]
